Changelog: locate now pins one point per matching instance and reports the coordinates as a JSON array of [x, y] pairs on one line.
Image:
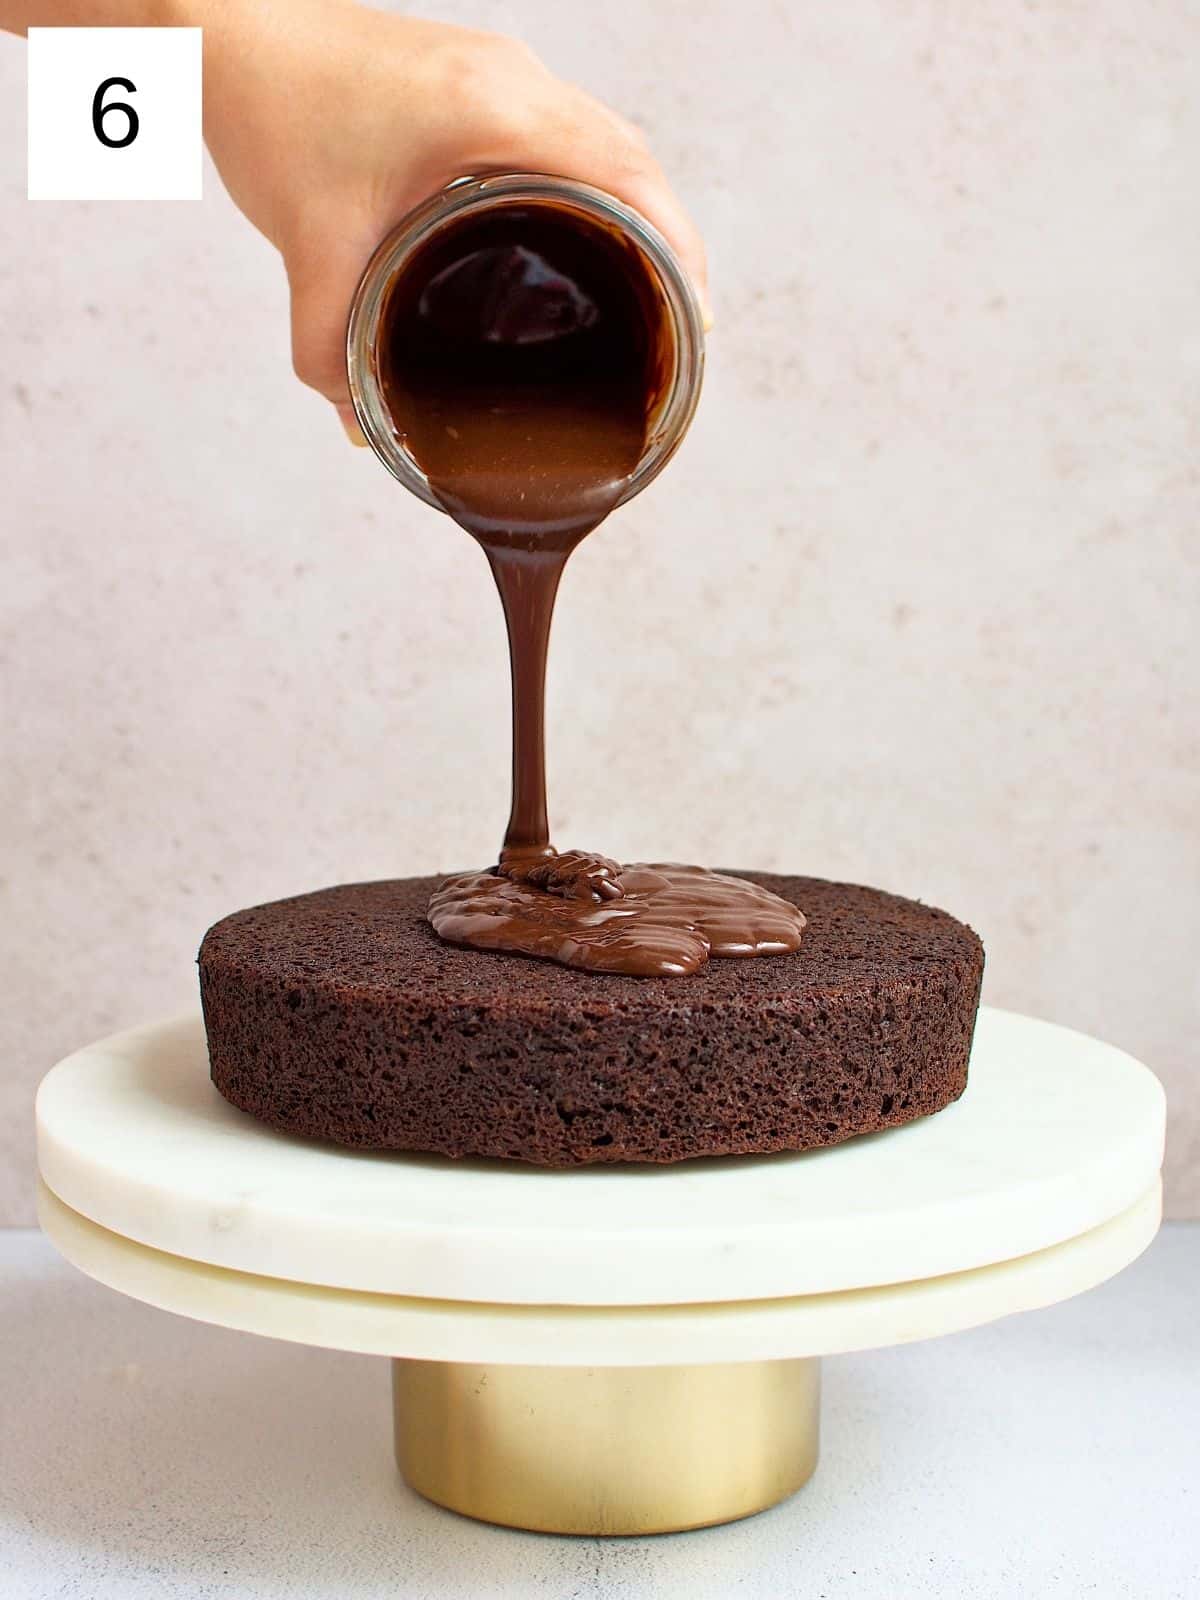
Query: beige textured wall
[[917, 604]]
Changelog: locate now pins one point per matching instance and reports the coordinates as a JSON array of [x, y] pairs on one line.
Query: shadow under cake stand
[[606, 1350]]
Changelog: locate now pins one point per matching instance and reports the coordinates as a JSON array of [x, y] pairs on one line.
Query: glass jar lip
[[470, 193]]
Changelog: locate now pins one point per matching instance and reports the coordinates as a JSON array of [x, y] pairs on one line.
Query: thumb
[[323, 274]]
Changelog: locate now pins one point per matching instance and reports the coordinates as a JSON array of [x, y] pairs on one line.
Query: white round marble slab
[[1056, 1135], [602, 1336]]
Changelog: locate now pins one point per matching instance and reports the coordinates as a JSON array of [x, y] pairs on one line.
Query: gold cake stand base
[[606, 1450]]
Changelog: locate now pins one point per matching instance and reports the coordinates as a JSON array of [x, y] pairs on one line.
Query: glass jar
[[682, 315]]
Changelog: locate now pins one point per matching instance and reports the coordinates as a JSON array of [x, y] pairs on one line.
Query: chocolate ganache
[[524, 353]]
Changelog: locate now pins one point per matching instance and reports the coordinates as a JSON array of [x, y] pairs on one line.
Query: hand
[[329, 121]]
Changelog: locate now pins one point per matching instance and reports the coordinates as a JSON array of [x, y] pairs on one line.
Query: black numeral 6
[[100, 111]]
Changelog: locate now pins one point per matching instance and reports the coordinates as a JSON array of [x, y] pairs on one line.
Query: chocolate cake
[[340, 1015]]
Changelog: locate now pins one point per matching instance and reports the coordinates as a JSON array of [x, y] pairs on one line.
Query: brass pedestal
[[606, 1450]]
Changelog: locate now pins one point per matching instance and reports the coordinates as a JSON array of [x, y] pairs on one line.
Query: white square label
[[115, 114]]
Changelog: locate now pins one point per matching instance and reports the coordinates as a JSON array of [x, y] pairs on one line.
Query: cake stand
[[610, 1349]]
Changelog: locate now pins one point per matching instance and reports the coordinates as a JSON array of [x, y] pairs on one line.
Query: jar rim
[[511, 188]]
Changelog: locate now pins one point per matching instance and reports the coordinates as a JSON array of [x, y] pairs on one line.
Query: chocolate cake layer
[[340, 1015]]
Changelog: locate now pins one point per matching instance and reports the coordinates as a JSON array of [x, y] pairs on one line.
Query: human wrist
[[18, 16]]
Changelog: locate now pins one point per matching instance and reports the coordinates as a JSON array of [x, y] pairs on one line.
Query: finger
[[607, 150], [650, 194], [323, 273], [350, 423]]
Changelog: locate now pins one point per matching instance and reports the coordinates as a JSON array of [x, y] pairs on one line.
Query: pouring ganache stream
[[523, 354]]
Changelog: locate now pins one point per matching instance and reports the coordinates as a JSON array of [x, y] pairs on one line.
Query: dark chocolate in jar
[[524, 352]]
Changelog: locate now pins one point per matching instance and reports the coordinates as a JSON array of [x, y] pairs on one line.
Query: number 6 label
[[115, 114], [99, 109]]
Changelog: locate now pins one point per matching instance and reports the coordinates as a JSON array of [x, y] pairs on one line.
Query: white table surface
[[1053, 1454]]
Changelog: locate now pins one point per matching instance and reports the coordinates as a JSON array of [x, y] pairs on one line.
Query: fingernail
[[353, 432]]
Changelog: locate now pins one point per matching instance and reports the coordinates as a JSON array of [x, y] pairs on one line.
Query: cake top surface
[[365, 936]]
